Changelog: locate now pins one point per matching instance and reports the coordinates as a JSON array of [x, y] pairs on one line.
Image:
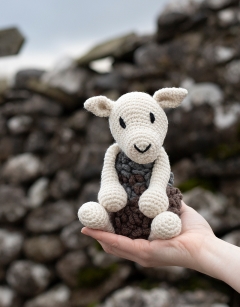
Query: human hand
[[183, 250], [196, 248]]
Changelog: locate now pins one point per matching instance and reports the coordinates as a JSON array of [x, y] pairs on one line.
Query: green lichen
[[98, 246], [92, 304], [92, 276], [224, 151], [148, 284], [197, 182]]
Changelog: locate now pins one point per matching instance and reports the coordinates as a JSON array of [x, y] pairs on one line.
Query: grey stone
[[100, 258], [73, 239], [135, 297], [233, 72], [51, 217], [115, 47], [8, 297], [69, 266], [10, 245], [44, 248], [28, 278], [201, 93], [19, 124], [78, 121], [83, 297], [183, 170], [218, 54], [22, 77], [22, 168], [11, 41], [67, 77], [13, 204], [38, 192], [98, 131], [219, 4], [35, 105], [37, 142], [91, 161], [209, 205], [229, 17], [63, 185], [56, 297]]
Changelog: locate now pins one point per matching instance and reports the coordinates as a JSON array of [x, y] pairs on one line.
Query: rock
[[107, 82], [63, 185], [69, 266], [67, 77], [233, 238], [22, 77], [3, 88], [11, 41], [233, 72], [38, 192], [101, 286], [134, 297], [219, 4], [100, 258], [13, 204], [78, 121], [51, 217], [66, 100], [36, 105], [22, 168], [183, 170], [201, 93], [44, 248], [91, 161], [73, 239], [116, 47], [98, 131], [28, 278], [55, 297], [19, 124], [218, 54], [210, 206], [89, 193], [170, 273], [37, 142], [8, 297], [201, 298], [10, 246], [226, 116], [229, 17]]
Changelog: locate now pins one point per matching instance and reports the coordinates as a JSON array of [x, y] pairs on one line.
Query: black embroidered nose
[[142, 151]]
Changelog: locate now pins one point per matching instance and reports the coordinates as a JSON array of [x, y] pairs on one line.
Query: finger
[[120, 245]]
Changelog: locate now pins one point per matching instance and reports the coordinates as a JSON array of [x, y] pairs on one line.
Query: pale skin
[[196, 248]]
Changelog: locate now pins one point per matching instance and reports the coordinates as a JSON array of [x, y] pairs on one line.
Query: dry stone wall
[[51, 154]]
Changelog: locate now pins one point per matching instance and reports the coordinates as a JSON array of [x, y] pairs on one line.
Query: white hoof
[[94, 216], [165, 225]]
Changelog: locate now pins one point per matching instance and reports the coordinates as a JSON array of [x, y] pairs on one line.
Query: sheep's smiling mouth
[[142, 151]]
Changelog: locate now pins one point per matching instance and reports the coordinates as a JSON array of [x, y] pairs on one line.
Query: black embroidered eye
[[121, 121], [152, 118]]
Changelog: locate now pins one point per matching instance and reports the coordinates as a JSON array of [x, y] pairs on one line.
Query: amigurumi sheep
[[136, 198]]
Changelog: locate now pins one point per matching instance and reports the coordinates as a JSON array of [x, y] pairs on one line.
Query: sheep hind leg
[[165, 225], [95, 216]]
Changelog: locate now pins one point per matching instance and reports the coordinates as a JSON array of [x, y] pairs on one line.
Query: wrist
[[220, 260]]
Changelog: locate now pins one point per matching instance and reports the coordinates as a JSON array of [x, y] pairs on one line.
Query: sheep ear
[[99, 106], [170, 97]]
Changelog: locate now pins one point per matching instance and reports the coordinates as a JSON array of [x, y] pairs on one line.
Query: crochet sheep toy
[[136, 198]]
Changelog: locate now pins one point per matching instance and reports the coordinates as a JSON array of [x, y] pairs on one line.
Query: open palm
[[183, 250]]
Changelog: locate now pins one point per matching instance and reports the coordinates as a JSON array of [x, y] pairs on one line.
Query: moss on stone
[[148, 284], [197, 182], [92, 276], [98, 246], [224, 151]]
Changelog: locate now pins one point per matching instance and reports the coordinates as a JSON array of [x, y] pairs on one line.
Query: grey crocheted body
[[135, 179]]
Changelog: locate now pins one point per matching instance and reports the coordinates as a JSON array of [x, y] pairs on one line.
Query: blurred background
[[53, 56]]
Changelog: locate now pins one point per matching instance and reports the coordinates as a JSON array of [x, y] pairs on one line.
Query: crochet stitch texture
[[139, 126]]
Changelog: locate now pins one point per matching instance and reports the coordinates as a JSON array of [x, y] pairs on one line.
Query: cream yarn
[[139, 126]]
